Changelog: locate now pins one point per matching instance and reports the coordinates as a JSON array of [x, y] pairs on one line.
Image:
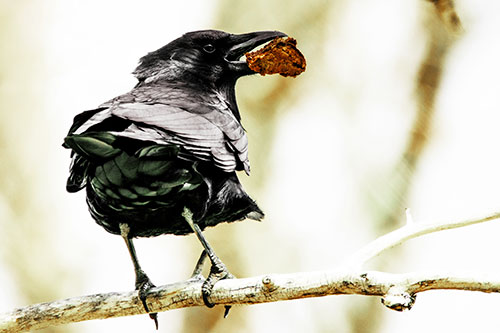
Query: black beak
[[241, 44]]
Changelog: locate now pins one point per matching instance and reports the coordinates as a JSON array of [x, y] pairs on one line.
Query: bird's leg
[[218, 271], [142, 282], [199, 267]]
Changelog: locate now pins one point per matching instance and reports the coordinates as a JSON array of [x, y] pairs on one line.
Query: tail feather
[[78, 174], [256, 215]]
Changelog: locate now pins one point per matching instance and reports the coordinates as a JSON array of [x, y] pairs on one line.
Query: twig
[[409, 231], [397, 290], [448, 15]]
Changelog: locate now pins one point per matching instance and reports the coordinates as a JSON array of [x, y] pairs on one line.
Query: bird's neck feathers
[[161, 70], [227, 90], [174, 75]]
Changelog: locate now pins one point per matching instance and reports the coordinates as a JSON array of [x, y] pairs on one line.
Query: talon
[[143, 285], [226, 310], [205, 294], [218, 272], [143, 293], [154, 316]]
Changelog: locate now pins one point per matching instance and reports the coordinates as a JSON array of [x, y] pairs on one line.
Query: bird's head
[[210, 56]]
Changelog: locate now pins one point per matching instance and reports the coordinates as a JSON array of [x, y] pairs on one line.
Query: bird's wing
[[206, 135]]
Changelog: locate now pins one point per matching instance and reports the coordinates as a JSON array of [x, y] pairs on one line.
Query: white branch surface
[[398, 291]]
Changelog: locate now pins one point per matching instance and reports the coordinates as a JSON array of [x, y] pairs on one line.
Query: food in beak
[[280, 56]]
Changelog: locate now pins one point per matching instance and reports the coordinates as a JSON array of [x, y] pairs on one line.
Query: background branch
[[407, 232]]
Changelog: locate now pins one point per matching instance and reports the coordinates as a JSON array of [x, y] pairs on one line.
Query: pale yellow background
[[323, 149]]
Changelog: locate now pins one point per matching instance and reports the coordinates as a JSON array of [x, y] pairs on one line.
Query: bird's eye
[[209, 48]]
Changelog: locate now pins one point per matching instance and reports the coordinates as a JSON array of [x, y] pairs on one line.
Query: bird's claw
[[218, 272], [143, 285]]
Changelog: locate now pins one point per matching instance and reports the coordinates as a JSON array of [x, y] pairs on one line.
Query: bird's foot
[[143, 285], [218, 272]]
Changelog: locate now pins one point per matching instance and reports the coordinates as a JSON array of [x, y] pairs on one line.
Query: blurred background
[[397, 109]]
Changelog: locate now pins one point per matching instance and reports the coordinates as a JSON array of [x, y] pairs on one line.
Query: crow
[[162, 158]]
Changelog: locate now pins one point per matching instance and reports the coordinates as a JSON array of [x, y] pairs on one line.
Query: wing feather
[[204, 126], [204, 135]]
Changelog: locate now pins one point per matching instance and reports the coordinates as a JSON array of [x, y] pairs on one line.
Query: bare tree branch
[[398, 291], [407, 232], [448, 15]]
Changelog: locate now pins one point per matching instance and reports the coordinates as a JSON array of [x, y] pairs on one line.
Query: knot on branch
[[399, 299], [268, 284]]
